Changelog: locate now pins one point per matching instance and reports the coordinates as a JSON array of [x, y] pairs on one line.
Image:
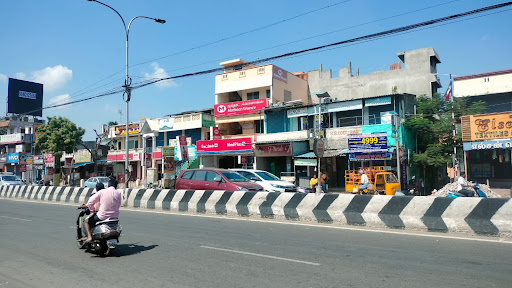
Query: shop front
[[117, 160], [275, 158], [225, 153], [487, 145]]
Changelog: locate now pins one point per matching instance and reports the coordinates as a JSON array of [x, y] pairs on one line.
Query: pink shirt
[[110, 201]]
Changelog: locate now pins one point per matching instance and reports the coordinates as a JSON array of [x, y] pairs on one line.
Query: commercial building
[[18, 155], [242, 93], [487, 138]]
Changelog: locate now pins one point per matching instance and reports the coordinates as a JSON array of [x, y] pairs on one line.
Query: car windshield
[[103, 179], [234, 177], [267, 176], [390, 178], [10, 178]]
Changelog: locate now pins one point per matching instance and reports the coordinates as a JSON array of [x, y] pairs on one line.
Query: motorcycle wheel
[[105, 250]]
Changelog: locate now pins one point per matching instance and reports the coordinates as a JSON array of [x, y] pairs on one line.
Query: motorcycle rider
[[462, 184], [110, 201]]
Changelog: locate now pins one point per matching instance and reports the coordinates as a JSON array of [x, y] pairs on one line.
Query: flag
[[448, 94]]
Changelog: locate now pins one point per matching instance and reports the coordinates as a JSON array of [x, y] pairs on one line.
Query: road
[[37, 249]]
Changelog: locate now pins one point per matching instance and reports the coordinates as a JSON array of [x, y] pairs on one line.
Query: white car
[[6, 179], [268, 181]]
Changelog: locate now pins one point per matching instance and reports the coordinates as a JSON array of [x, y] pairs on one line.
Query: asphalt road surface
[[37, 249]]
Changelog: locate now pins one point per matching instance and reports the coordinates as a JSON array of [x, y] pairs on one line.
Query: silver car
[[10, 180], [91, 182]]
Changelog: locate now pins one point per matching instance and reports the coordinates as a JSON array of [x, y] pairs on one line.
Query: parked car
[[7, 179], [214, 179], [91, 182], [267, 180]]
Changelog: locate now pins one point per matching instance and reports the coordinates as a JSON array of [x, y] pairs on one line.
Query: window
[[246, 174], [224, 76], [259, 126], [210, 176], [132, 144], [200, 175], [268, 93], [253, 95], [241, 74], [261, 70], [287, 96], [234, 177], [187, 175]]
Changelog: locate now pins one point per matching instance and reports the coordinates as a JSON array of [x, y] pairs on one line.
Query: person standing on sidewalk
[[323, 181]]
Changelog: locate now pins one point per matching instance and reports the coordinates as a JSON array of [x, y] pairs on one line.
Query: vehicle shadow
[[130, 249]]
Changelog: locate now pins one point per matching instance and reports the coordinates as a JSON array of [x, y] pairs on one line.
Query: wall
[[483, 84], [416, 78]]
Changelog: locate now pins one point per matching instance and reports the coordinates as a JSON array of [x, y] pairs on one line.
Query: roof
[[481, 75]]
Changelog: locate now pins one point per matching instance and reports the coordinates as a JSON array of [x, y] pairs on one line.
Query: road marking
[[16, 218], [500, 240], [260, 255]]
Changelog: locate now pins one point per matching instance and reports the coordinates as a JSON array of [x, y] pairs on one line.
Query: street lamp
[[127, 81], [320, 95]]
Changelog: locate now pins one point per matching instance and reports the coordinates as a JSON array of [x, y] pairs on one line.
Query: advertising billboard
[[224, 146], [368, 142], [25, 97]]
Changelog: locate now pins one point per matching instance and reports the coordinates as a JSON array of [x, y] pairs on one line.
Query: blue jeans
[[364, 186], [324, 187]]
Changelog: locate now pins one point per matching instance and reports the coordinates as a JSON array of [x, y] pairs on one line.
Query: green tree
[[59, 135], [433, 127]]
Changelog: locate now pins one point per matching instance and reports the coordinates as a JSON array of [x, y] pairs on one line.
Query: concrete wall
[[417, 78], [483, 84], [484, 216]]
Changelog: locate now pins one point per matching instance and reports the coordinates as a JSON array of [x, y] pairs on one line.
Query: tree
[[433, 127], [57, 136]]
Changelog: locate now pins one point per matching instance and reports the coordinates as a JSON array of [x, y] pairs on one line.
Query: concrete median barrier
[[483, 216]]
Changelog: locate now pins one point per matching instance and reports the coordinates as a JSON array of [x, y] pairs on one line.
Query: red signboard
[[183, 149], [240, 107], [157, 155], [215, 133], [122, 157], [284, 149], [224, 146], [48, 158], [23, 168]]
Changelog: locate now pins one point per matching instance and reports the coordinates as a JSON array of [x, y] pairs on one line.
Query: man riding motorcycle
[[110, 202]]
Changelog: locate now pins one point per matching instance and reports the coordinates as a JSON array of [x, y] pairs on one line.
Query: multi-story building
[[18, 140], [487, 138], [242, 93]]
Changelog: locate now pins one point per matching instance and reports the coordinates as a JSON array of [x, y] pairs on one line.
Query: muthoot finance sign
[[240, 107]]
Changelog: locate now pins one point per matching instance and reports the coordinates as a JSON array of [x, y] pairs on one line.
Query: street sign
[[319, 146]]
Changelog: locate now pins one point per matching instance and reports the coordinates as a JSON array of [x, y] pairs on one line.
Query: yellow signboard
[[133, 128], [488, 126], [82, 158]]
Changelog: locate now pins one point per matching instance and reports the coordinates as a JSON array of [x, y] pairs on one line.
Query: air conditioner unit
[[328, 100]]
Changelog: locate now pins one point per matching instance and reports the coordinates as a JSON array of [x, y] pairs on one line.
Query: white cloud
[[52, 78], [61, 99], [3, 78], [159, 73]]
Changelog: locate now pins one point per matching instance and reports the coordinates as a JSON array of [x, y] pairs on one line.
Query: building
[[18, 155], [416, 77], [147, 139], [242, 93], [487, 138]]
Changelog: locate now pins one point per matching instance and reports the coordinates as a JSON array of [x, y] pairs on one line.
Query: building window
[[287, 96], [253, 95], [261, 70], [237, 67], [224, 76], [268, 93], [259, 126], [241, 74]]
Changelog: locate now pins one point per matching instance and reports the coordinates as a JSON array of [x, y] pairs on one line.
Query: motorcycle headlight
[[242, 189]]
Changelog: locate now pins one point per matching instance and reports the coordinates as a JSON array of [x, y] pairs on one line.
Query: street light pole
[[127, 83]]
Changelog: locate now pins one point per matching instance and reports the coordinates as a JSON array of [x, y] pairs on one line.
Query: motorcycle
[[105, 235], [467, 193]]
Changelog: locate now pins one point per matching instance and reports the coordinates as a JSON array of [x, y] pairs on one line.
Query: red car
[[215, 179]]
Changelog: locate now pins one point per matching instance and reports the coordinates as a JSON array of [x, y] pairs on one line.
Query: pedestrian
[[313, 182], [323, 181]]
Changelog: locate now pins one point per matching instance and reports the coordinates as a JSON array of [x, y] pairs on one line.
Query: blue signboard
[[370, 142], [489, 144], [13, 158]]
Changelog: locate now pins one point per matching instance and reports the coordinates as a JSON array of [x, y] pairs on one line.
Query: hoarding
[[133, 128], [25, 97], [284, 149], [240, 107], [224, 146], [486, 127], [370, 142], [370, 156]]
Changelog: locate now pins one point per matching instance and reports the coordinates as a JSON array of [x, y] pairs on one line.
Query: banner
[[133, 128], [224, 146], [370, 157], [284, 149], [370, 142], [240, 107], [486, 127]]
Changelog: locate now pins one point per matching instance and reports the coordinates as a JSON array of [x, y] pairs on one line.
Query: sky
[[76, 48]]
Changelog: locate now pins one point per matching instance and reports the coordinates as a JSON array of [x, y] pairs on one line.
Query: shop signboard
[[305, 162], [133, 128], [122, 157], [240, 107], [486, 127], [23, 168], [167, 151], [283, 149], [319, 147], [192, 153], [166, 124], [168, 167], [37, 132], [49, 160], [279, 74], [13, 157], [370, 156], [236, 145], [83, 158], [487, 145], [370, 142], [215, 133], [182, 147], [337, 137], [11, 138]]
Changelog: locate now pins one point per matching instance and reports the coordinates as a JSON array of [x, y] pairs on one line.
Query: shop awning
[[306, 155], [82, 164]]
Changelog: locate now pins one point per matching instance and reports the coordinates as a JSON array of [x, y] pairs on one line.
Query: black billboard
[[25, 98]]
